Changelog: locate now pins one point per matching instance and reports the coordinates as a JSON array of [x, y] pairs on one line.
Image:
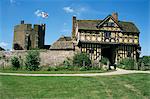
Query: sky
[[60, 12]]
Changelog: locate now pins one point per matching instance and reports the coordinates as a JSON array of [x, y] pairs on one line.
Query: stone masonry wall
[[48, 57]]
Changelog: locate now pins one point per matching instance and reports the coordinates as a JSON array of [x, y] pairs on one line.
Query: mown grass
[[53, 72], [133, 86]]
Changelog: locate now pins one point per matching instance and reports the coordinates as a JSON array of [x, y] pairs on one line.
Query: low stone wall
[[54, 58], [48, 57]]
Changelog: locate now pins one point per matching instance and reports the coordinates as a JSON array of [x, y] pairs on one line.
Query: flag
[[42, 14]]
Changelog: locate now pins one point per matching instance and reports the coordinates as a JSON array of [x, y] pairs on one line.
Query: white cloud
[[75, 10], [37, 12], [3, 44], [68, 9], [15, 2], [12, 1], [65, 23], [41, 13]]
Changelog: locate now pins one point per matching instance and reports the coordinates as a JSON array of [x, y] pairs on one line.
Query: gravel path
[[117, 72]]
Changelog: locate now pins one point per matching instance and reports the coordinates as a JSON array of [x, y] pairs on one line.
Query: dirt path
[[117, 72]]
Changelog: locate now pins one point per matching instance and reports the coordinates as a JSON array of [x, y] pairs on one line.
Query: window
[[107, 34], [110, 24], [129, 54], [91, 50]]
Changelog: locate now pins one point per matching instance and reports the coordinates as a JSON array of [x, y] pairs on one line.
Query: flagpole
[[42, 14]]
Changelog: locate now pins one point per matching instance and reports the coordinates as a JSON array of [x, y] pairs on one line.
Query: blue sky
[[60, 14]]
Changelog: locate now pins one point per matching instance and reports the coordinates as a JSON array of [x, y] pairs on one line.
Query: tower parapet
[[26, 37]]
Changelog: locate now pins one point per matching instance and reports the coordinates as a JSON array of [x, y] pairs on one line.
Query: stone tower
[[73, 27], [26, 37]]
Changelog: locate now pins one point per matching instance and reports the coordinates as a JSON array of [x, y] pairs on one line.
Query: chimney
[[22, 21], [73, 26], [115, 15]]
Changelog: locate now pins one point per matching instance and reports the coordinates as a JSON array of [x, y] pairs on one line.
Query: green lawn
[[54, 72], [133, 86]]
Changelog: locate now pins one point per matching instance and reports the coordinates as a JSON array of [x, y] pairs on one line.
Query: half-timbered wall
[[119, 51], [94, 50], [124, 51], [115, 37], [109, 33]]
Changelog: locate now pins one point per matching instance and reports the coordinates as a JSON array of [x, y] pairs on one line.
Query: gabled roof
[[64, 38], [63, 43], [129, 27], [92, 25], [108, 17]]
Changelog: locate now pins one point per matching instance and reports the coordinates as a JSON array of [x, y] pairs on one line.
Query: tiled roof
[[92, 25], [63, 43], [64, 38]]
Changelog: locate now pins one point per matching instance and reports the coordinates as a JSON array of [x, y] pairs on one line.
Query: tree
[[32, 60], [15, 62]]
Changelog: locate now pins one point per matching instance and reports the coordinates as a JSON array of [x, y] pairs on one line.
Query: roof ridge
[[102, 19], [89, 20], [127, 21]]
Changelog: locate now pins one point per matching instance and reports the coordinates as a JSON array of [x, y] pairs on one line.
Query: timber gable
[[109, 21]]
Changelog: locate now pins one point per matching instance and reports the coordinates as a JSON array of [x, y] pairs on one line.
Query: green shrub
[[32, 60], [127, 63], [15, 62], [81, 59], [52, 68], [104, 60], [146, 60], [144, 63], [67, 62]]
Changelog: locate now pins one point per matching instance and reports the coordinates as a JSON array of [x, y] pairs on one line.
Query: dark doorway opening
[[108, 53]]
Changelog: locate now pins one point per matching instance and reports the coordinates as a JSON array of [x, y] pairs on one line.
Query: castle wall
[[48, 57]]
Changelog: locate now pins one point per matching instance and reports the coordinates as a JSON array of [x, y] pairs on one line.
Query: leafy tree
[[81, 59], [32, 60], [15, 62]]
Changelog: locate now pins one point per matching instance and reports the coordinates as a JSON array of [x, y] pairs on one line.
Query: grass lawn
[[54, 72], [132, 86]]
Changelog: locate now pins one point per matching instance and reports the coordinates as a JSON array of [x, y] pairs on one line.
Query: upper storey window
[[110, 24], [107, 34]]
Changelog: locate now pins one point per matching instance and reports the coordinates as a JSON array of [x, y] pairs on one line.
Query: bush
[[144, 63], [146, 60], [32, 60], [52, 68], [67, 62], [127, 63], [81, 59], [104, 60], [15, 62]]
